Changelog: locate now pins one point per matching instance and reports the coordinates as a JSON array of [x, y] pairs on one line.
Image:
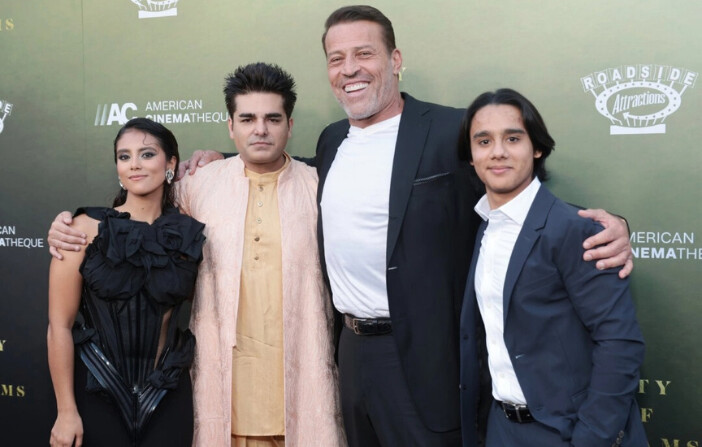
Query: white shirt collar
[[516, 209]]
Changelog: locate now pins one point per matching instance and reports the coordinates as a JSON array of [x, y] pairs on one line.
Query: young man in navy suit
[[563, 345]]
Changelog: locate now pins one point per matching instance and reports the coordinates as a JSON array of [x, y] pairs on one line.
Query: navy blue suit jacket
[[431, 230], [570, 330]]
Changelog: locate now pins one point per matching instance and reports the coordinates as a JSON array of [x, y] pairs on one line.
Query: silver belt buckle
[[354, 325]]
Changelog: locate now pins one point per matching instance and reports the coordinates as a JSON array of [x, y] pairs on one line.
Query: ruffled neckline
[[129, 255]]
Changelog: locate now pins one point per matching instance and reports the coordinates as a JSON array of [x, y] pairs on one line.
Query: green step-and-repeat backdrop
[[616, 82]]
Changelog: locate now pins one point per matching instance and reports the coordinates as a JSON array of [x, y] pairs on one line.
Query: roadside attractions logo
[[638, 98], [149, 9], [166, 111], [5, 111]]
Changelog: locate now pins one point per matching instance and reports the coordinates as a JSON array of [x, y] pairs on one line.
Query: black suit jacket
[[431, 231]]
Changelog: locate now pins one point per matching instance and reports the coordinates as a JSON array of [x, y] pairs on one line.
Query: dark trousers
[[376, 404], [170, 425], [502, 432]]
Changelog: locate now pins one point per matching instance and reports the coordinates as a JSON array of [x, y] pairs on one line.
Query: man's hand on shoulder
[[197, 160], [610, 247], [63, 237]]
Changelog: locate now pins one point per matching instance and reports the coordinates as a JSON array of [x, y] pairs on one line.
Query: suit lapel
[[411, 136], [531, 230]]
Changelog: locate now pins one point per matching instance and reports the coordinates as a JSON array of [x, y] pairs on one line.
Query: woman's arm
[[65, 283]]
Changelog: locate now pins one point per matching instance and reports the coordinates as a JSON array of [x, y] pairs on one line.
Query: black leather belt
[[516, 412], [368, 326]]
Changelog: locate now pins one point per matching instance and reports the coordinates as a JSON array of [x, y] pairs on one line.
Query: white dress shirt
[[355, 206], [504, 225]]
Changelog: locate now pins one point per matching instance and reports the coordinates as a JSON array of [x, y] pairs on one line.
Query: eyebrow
[[485, 133], [142, 149], [267, 115]]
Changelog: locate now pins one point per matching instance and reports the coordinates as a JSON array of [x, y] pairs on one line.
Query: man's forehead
[[498, 113], [502, 120], [356, 34], [259, 103]]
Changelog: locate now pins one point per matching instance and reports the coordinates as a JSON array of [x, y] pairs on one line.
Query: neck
[[495, 201], [265, 168], [391, 110], [143, 208]]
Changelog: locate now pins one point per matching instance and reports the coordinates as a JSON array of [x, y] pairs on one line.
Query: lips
[[137, 177], [499, 169]]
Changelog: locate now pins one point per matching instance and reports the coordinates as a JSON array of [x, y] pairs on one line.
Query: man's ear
[[230, 127], [396, 57]]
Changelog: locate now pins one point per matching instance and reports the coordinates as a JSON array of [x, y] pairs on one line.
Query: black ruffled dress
[[134, 274]]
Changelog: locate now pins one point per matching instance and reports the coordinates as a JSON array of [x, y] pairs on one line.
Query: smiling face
[[502, 153], [141, 163], [260, 129], [363, 76]]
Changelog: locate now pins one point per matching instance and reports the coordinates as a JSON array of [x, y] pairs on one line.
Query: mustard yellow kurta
[[257, 360]]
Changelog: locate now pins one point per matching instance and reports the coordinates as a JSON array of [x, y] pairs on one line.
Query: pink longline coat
[[217, 195]]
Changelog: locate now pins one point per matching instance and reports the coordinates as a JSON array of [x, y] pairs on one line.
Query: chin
[[356, 112], [359, 116]]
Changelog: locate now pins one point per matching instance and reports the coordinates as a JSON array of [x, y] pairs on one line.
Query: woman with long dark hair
[[117, 354]]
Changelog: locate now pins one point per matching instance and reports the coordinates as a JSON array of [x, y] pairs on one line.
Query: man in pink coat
[[264, 372]]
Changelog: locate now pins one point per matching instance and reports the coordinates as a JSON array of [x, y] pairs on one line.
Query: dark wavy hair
[[167, 142], [357, 13], [262, 78], [533, 123]]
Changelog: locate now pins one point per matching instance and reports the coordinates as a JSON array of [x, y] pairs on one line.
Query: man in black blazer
[[430, 229]]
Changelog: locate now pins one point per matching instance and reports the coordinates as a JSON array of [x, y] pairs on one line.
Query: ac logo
[[5, 111], [109, 114], [149, 9], [638, 98]]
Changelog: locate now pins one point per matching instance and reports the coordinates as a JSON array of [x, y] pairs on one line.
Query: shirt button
[[260, 187], [255, 258], [259, 220], [257, 238], [260, 203]]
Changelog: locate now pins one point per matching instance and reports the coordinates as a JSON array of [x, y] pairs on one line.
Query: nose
[[350, 66], [261, 127], [498, 150], [135, 163]]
